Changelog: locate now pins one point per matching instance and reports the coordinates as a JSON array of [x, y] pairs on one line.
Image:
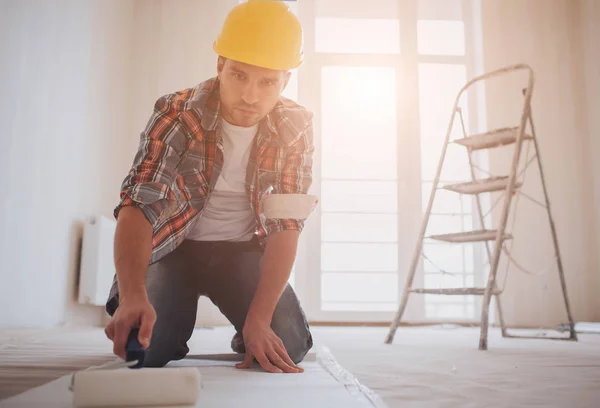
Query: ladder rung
[[469, 236], [455, 291], [494, 138], [481, 186]]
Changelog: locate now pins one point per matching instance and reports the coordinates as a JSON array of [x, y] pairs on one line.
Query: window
[[381, 78], [441, 34], [358, 232], [358, 36], [441, 37]]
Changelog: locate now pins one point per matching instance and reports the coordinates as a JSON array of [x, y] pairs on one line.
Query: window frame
[[307, 276]]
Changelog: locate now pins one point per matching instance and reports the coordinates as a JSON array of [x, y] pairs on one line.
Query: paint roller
[[128, 384]]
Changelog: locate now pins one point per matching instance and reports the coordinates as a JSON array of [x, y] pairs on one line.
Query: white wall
[[65, 115], [546, 35], [172, 47], [79, 80]]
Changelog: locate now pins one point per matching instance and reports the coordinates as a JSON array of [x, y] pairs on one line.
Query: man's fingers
[[283, 354], [109, 330], [120, 338], [279, 362], [266, 364], [247, 363], [145, 332], [286, 357]]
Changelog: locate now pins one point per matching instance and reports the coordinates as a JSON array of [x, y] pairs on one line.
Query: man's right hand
[[133, 248], [133, 312]]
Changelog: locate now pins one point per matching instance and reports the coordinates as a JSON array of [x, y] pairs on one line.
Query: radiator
[[97, 267]]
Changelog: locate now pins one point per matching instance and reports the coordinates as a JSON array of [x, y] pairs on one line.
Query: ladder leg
[[485, 307], [421, 236], [482, 224], [396, 322], [412, 271], [495, 260], [500, 316], [561, 273], [411, 275], [503, 219]]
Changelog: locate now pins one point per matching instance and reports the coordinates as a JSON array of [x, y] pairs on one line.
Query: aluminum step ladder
[[510, 185]]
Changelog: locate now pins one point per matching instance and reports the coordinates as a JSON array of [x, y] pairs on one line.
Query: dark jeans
[[228, 274]]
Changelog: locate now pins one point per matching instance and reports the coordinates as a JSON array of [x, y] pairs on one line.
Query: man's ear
[[220, 65], [286, 80]]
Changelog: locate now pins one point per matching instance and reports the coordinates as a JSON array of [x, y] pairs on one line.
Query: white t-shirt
[[228, 215]]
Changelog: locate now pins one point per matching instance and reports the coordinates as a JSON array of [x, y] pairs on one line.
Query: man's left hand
[[267, 348]]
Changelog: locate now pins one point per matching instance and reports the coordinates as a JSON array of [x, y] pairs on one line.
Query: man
[[191, 220]]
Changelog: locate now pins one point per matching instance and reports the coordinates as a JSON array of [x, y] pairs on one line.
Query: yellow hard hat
[[264, 33]]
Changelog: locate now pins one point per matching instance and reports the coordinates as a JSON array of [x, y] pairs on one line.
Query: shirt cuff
[[276, 225], [153, 210]]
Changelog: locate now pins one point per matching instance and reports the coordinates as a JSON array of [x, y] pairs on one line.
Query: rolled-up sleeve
[[151, 182], [296, 178]]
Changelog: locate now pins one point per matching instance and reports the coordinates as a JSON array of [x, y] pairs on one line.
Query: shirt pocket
[[192, 169], [270, 168]]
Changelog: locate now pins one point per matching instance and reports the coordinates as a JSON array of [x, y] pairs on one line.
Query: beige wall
[[547, 36], [590, 39]]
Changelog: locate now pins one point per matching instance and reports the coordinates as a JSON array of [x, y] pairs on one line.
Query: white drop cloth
[[425, 367]]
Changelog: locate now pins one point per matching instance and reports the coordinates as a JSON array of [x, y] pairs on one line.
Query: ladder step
[[455, 291], [469, 236], [494, 138], [481, 186]]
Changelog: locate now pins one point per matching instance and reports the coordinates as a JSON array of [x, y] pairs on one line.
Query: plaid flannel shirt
[[180, 157]]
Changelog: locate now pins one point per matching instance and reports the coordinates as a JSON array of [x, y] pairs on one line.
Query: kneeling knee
[[297, 356], [160, 355], [298, 349]]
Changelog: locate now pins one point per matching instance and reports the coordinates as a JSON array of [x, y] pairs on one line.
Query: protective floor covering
[[425, 367], [226, 387]]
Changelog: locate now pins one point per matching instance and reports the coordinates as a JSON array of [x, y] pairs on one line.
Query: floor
[[436, 366]]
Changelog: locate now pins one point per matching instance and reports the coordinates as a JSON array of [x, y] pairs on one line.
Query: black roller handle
[[134, 350]]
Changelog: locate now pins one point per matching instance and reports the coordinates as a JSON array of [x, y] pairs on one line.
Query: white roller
[[136, 387], [288, 206]]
